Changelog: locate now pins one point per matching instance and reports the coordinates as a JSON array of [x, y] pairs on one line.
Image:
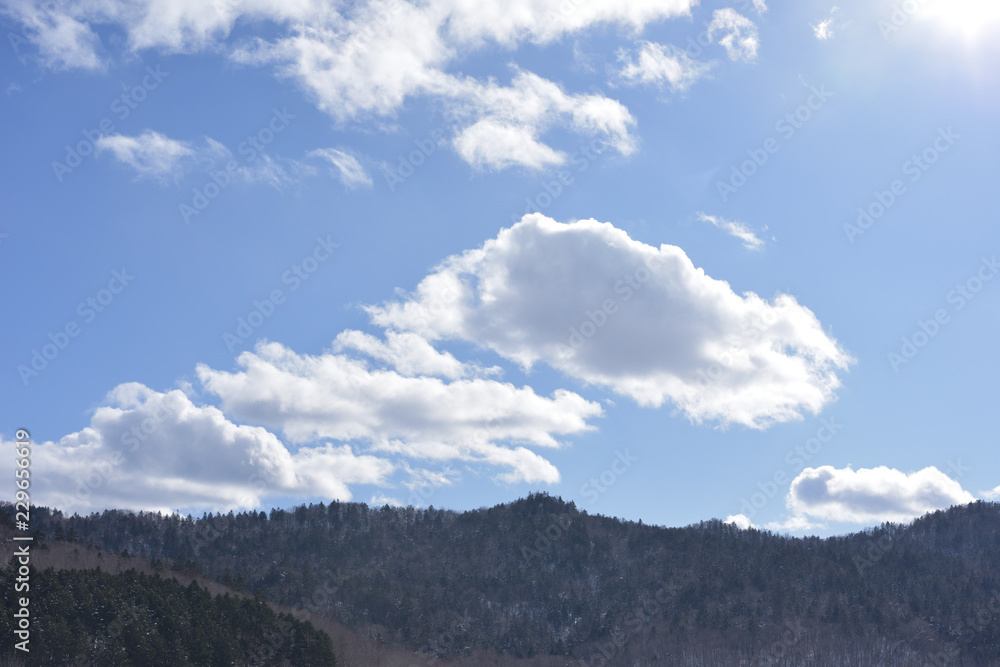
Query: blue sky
[[669, 260]]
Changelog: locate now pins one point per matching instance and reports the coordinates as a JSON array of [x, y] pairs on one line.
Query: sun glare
[[973, 19]]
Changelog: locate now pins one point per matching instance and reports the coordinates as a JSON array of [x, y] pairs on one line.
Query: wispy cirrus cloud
[[736, 229], [153, 155], [346, 167]]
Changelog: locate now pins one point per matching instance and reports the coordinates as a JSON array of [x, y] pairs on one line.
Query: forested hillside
[[89, 617], [536, 577]]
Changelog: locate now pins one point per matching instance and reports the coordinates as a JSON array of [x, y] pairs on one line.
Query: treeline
[[538, 577], [88, 617]]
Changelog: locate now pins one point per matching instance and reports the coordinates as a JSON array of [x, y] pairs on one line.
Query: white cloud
[[151, 154], [740, 521], [991, 495], [871, 495], [336, 397], [488, 143], [380, 500], [760, 6], [824, 29], [366, 60], [591, 302], [63, 40], [277, 172], [327, 470], [507, 121], [544, 21], [359, 64], [660, 64], [421, 479], [193, 26], [64, 31], [409, 354], [734, 228], [740, 34], [348, 169], [793, 524], [160, 451], [348, 424]]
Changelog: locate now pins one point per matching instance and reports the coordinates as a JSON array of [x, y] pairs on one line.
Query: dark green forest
[[87, 617], [537, 577]]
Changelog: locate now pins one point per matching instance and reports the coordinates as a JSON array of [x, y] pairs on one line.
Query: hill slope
[[537, 577], [90, 617]]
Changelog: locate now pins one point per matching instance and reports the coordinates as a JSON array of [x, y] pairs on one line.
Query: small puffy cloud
[[660, 65], [159, 451], [348, 170], [591, 302], [760, 6], [150, 154], [739, 34], [508, 120], [63, 40], [872, 495], [333, 396], [489, 143], [734, 228], [740, 521], [824, 28]]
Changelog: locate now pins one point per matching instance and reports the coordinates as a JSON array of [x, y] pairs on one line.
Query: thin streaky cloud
[[346, 167], [736, 229], [150, 154]]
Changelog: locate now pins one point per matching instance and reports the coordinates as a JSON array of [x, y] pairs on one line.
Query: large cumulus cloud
[[588, 300]]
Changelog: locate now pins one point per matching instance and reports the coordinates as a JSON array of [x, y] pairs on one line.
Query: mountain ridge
[[538, 578]]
